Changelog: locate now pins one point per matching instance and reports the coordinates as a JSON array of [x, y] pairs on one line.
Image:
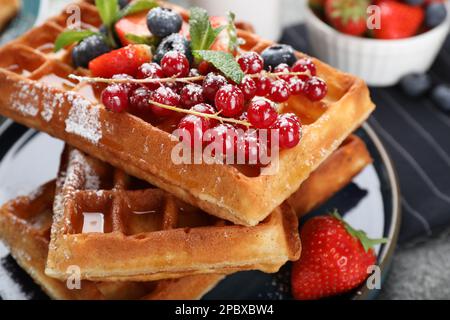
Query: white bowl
[[378, 62]]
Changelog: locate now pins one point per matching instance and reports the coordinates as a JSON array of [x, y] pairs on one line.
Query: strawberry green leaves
[[203, 34], [366, 242], [223, 61], [68, 37]]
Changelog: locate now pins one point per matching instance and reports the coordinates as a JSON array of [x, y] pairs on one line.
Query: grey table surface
[[421, 268]]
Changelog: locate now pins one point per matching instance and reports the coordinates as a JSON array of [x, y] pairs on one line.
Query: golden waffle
[[35, 91], [8, 9], [145, 234], [25, 227]]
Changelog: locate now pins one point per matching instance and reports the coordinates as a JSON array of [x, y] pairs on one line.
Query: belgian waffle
[[143, 233], [35, 91], [25, 227]]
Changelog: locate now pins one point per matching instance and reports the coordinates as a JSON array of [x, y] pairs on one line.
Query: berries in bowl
[[381, 40]]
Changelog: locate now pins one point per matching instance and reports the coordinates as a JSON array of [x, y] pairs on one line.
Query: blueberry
[[162, 22], [416, 84], [435, 14], [441, 97], [89, 49], [123, 3], [415, 2], [174, 42], [277, 54]]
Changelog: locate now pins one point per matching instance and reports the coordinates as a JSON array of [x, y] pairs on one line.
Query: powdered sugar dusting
[[25, 99], [84, 119]]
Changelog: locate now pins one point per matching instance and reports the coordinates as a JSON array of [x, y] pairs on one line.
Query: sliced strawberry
[[135, 24], [222, 41], [125, 60], [398, 20]]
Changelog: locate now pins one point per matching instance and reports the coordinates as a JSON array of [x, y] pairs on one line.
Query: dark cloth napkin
[[417, 136]]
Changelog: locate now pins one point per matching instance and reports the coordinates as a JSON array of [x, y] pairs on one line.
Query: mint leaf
[[137, 6], [233, 45], [108, 10], [223, 61], [148, 40], [71, 36], [202, 33]]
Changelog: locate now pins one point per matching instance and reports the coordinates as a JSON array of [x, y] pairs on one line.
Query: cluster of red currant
[[210, 94]]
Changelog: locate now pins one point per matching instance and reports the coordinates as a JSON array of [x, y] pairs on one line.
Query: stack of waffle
[[126, 220]]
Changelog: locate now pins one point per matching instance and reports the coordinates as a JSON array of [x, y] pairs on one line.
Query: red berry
[[242, 117], [263, 86], [115, 97], [289, 130], [261, 114], [191, 95], [230, 101], [139, 99], [224, 137], [128, 86], [251, 62], [211, 84], [279, 92], [150, 71], [248, 87], [204, 67], [283, 68], [303, 65], [193, 127], [175, 64], [165, 96], [297, 86], [316, 89], [207, 109]]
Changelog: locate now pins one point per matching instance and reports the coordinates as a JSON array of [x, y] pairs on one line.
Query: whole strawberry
[[347, 16], [334, 259], [398, 20]]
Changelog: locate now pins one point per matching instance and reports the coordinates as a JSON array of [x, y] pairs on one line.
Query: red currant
[[129, 86], [191, 95], [297, 86], [224, 137], [139, 99], [165, 96], [230, 101], [211, 84], [242, 117], [251, 62], [283, 68], [279, 92], [150, 71], [207, 109], [316, 89], [175, 64], [194, 127], [303, 65], [115, 97], [204, 68], [263, 86], [248, 87], [289, 130], [261, 114]]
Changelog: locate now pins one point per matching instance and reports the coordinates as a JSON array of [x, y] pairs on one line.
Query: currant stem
[[166, 80], [200, 114]]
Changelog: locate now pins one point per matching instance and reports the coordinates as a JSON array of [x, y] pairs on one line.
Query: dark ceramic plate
[[29, 158]]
